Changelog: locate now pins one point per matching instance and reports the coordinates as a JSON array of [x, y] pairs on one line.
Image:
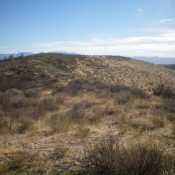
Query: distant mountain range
[[65, 53], [156, 60], [5, 56]]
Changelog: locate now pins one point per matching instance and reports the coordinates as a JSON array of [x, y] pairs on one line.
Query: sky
[[110, 27]]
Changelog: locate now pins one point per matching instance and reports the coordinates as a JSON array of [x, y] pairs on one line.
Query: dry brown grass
[[83, 132], [14, 163], [59, 152], [57, 124], [173, 132]]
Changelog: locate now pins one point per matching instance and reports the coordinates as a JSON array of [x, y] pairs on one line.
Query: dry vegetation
[[63, 114]]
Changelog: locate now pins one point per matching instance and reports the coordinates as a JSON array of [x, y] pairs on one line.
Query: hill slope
[[170, 66], [51, 69], [55, 109]]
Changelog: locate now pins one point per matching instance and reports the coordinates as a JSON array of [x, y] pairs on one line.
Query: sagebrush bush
[[14, 99], [158, 122], [141, 125], [169, 105], [18, 102], [13, 92], [10, 101], [171, 118], [31, 93], [100, 158], [166, 108], [79, 85], [124, 97], [164, 91], [59, 152], [139, 93], [50, 103], [37, 112], [136, 92], [3, 124], [109, 111], [169, 164], [95, 115], [77, 111], [173, 131], [110, 157], [24, 123]]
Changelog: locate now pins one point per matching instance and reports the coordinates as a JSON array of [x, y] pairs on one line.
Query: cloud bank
[[167, 21], [162, 44]]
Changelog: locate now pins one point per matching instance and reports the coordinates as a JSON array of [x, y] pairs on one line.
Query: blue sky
[[117, 27]]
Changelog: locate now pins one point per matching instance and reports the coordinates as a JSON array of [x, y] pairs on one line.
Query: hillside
[[51, 69], [86, 115], [170, 66]]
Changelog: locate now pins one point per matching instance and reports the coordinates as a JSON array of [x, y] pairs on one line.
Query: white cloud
[[140, 12], [154, 45], [167, 21]]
